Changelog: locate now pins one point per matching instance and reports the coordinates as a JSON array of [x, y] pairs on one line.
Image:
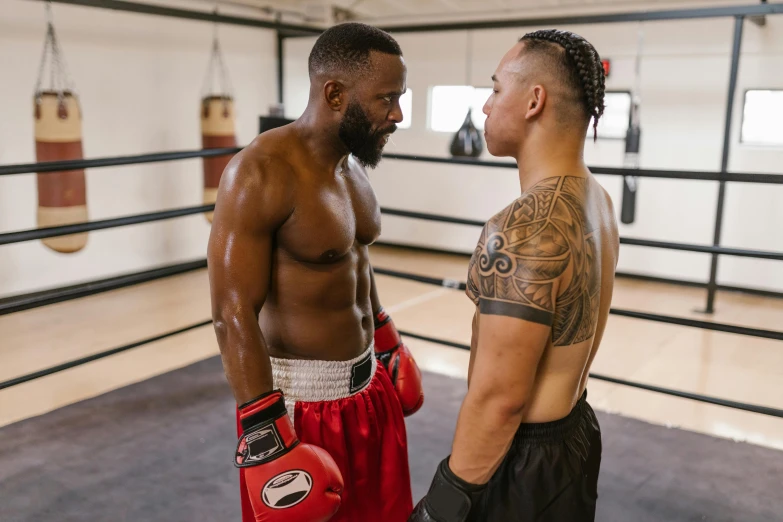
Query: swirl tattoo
[[493, 258]]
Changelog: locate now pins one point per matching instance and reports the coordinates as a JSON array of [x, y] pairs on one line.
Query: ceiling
[[326, 12]]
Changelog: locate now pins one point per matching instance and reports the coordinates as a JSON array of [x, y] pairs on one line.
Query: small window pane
[[406, 104], [762, 117], [616, 117], [448, 106]]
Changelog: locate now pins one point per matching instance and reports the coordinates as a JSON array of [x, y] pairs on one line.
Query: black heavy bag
[[467, 141], [630, 183]]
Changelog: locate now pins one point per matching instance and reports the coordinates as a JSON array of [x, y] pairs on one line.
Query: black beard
[[358, 137]]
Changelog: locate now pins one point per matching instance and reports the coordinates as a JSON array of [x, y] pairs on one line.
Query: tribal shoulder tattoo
[[536, 260]]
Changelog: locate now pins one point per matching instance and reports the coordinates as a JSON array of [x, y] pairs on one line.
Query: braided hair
[[580, 65]]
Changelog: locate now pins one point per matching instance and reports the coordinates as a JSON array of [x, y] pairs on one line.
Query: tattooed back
[[549, 258]]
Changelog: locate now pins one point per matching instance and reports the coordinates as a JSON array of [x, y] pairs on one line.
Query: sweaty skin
[[288, 262]]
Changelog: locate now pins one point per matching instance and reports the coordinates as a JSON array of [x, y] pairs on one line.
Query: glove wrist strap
[[267, 431], [450, 499]]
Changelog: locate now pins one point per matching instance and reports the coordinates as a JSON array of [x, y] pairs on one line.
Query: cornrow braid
[[582, 64]]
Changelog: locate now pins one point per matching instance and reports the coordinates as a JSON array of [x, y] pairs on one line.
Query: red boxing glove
[[399, 362], [287, 480]]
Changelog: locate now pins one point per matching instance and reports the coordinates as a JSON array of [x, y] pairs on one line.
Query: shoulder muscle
[[522, 253]]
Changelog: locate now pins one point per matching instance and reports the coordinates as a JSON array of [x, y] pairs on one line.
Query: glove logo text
[[259, 446], [287, 489]]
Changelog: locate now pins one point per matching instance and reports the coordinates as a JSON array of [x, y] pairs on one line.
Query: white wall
[[139, 80], [684, 84]]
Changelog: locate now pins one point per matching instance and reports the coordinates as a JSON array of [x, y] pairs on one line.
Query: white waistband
[[305, 380]]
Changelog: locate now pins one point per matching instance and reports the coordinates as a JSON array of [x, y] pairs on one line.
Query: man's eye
[[387, 99]]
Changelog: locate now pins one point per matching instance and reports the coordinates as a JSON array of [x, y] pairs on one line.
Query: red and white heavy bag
[[62, 195], [217, 131]]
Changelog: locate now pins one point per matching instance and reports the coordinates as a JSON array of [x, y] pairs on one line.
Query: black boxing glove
[[450, 499]]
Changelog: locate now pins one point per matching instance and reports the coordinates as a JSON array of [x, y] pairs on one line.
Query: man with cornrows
[[527, 445]]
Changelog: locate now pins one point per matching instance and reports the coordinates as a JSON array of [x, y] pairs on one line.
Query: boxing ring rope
[[696, 175], [754, 408], [64, 230], [100, 355], [765, 410], [67, 293], [681, 321], [708, 249], [114, 161]]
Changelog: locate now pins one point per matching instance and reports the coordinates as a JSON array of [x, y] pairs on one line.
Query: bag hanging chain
[[59, 80], [216, 62]]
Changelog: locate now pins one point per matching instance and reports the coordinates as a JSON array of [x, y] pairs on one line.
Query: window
[[762, 116], [450, 103], [616, 118], [406, 104]]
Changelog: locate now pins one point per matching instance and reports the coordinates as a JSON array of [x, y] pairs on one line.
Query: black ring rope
[[681, 321], [765, 410], [739, 177], [64, 230], [658, 389], [707, 249], [704, 325], [94, 357], [53, 166], [15, 304]]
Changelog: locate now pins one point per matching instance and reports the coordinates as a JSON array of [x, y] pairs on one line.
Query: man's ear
[[536, 102], [334, 94]]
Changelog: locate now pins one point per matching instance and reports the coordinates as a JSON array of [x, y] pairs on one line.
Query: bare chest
[[330, 219]]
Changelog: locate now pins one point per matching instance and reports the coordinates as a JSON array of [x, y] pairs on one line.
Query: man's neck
[[321, 140], [546, 155]]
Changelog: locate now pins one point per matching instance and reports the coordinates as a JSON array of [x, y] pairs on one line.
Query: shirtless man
[[527, 445], [301, 332]]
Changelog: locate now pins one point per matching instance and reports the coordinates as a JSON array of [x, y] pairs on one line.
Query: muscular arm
[[503, 375], [253, 201]]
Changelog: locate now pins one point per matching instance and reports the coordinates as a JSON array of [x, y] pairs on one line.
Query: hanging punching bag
[[217, 131], [217, 122], [630, 183], [62, 195], [633, 142], [467, 141]]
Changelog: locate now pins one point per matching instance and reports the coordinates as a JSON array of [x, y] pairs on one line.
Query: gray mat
[[160, 450]]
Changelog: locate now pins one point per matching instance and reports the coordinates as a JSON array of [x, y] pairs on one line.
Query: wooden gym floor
[[719, 364]]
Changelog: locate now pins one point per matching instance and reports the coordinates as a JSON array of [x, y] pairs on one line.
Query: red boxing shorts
[[350, 409]]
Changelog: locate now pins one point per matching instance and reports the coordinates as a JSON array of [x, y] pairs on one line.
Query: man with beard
[[316, 366]]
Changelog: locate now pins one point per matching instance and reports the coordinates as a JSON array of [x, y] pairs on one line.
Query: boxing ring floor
[[160, 450], [129, 448]]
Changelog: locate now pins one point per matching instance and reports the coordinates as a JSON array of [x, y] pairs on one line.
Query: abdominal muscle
[[318, 312]]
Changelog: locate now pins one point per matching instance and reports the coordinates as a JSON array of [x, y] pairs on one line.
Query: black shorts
[[550, 474]]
